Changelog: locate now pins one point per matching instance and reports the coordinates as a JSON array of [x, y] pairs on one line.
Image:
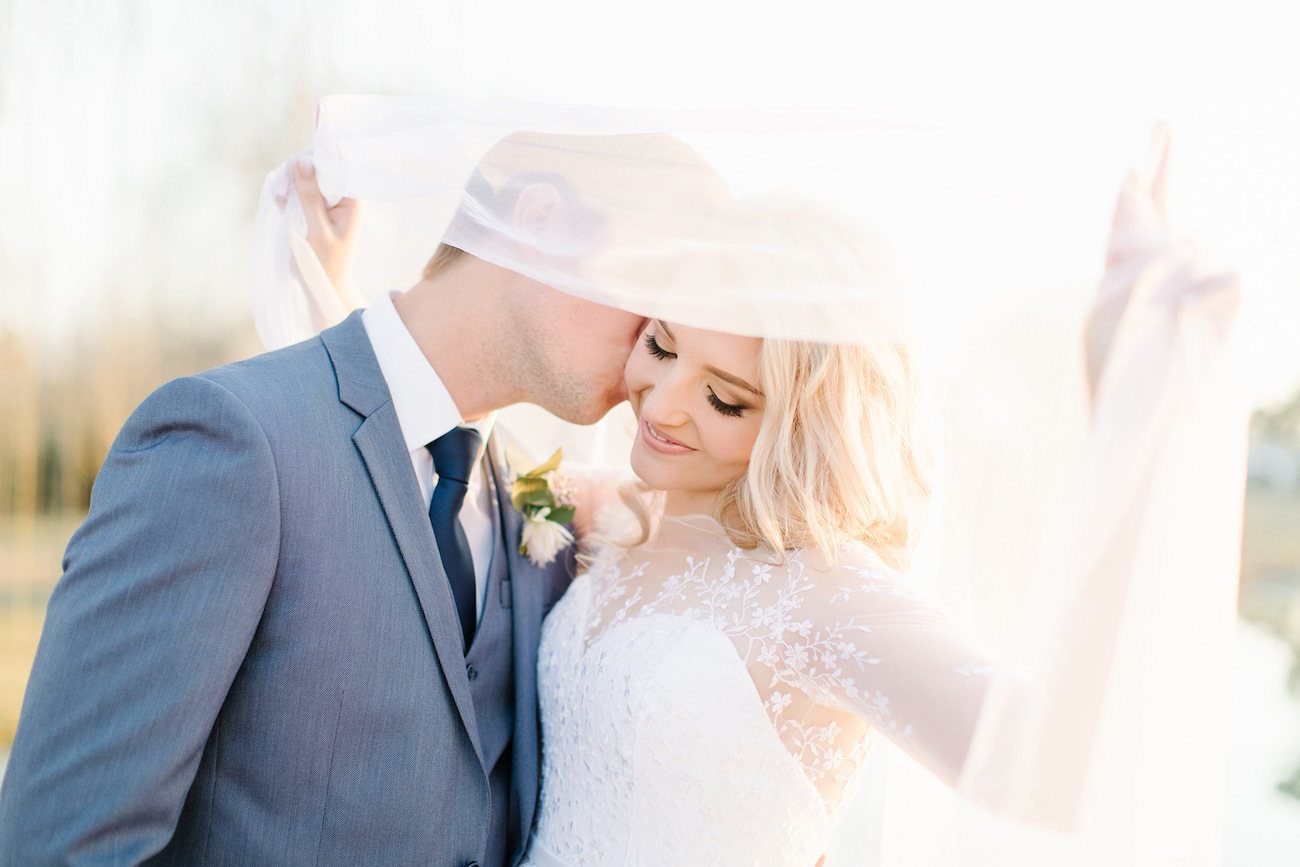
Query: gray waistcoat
[[490, 667]]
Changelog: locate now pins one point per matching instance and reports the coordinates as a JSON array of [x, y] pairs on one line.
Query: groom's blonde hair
[[609, 179]]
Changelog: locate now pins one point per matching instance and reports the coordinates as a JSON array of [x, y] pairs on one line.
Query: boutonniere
[[547, 498]]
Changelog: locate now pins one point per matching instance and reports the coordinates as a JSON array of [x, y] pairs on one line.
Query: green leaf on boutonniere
[[544, 495], [538, 497], [525, 491], [562, 515], [552, 463], [517, 460]]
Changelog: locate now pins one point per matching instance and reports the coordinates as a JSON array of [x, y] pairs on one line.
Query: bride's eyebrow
[[734, 380], [720, 374]]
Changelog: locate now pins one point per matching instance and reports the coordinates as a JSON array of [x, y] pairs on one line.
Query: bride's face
[[697, 398]]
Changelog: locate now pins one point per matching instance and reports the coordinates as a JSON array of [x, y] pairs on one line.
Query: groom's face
[[577, 350], [601, 213]]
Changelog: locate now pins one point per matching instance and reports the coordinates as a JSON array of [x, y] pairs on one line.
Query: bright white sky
[[133, 134]]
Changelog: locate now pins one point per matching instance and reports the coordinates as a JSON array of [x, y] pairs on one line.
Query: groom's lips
[[657, 441]]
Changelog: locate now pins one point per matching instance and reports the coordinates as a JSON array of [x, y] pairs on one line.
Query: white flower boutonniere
[[547, 498]]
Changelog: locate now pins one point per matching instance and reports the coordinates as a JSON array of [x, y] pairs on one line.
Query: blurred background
[[135, 136]]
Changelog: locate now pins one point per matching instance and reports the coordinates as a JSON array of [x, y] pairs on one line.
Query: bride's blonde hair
[[842, 451], [839, 454]]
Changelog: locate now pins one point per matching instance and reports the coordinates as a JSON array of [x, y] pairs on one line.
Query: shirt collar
[[425, 409]]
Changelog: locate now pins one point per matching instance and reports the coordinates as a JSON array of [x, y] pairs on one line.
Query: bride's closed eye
[[731, 410], [655, 349], [734, 410]]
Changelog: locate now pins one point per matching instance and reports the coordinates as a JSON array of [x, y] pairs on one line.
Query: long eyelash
[[656, 350], [733, 410]]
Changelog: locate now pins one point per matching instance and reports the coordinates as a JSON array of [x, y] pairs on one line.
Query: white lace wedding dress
[[705, 704]]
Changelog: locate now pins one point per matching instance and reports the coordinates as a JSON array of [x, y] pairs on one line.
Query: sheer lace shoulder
[[835, 650]]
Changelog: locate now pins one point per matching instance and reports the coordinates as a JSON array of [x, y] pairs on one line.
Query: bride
[[710, 687], [744, 631]]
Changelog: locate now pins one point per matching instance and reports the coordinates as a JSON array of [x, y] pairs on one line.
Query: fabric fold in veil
[[1073, 356]]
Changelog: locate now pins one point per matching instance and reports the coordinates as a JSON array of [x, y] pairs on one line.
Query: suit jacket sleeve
[[162, 591]]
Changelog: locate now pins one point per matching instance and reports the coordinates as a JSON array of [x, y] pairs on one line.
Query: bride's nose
[[665, 404]]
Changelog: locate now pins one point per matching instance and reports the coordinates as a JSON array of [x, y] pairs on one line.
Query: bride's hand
[[1138, 233], [331, 232], [1148, 264]]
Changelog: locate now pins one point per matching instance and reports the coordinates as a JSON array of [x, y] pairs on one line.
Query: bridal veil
[[1075, 361]]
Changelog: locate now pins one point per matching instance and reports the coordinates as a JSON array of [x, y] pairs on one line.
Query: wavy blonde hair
[[842, 451]]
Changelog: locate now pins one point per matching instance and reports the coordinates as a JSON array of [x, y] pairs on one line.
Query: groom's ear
[[539, 219]]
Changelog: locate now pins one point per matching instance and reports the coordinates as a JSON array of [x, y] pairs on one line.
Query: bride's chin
[[643, 463]]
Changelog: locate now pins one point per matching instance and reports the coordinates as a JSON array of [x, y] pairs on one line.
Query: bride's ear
[[539, 216]]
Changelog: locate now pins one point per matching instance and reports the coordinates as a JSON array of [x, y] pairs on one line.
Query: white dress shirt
[[425, 412]]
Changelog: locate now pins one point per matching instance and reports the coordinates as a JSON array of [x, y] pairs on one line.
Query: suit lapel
[[526, 597], [383, 450]]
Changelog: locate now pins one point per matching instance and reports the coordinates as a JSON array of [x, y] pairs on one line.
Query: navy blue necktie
[[453, 458]]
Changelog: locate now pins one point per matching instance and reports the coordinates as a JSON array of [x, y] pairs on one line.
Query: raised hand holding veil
[[1088, 453]]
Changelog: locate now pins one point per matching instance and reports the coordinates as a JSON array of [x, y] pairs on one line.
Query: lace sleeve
[[863, 639]]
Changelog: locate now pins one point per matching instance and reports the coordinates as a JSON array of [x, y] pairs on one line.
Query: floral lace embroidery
[[805, 631]]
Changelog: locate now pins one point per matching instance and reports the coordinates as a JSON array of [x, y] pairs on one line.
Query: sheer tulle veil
[[1075, 366]]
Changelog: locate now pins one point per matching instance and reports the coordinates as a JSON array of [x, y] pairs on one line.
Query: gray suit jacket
[[253, 654]]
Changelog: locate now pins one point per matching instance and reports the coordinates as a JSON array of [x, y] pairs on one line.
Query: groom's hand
[[331, 232]]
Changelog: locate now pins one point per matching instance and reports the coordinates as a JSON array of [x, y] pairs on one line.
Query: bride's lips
[[665, 445]]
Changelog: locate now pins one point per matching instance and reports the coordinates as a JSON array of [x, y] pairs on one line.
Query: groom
[[267, 647]]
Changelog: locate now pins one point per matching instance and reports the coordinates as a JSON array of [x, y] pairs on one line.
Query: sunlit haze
[[134, 135]]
